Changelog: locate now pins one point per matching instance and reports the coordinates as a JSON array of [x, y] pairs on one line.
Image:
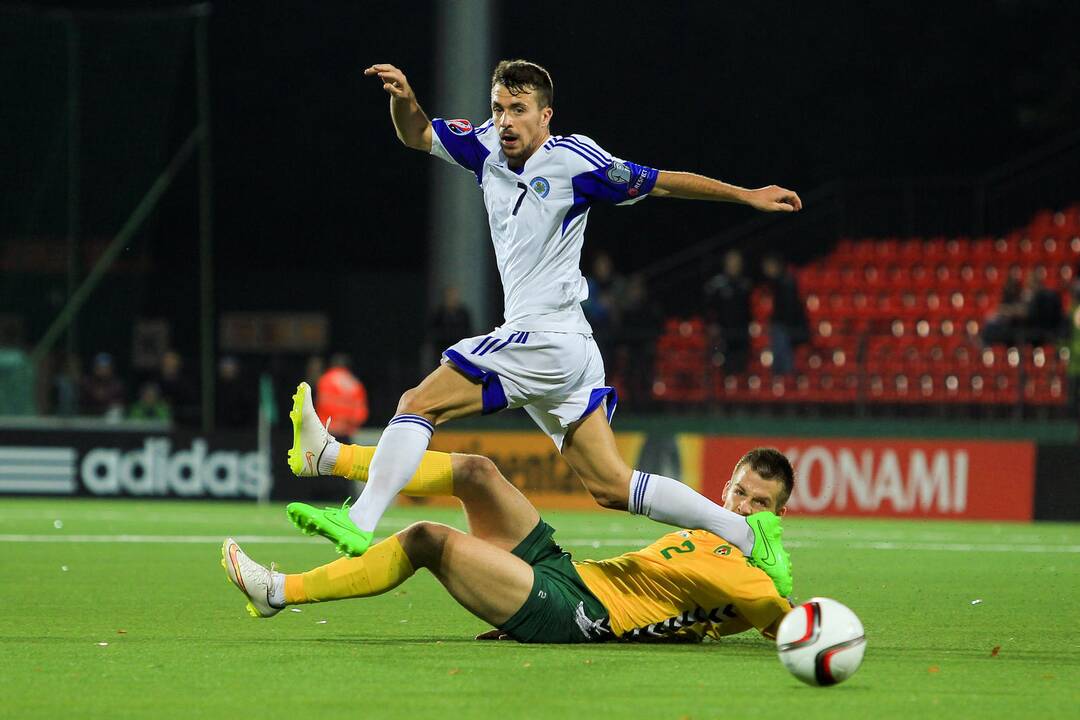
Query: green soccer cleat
[[310, 437], [333, 524], [768, 553]]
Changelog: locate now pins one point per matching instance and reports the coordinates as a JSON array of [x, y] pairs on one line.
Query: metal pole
[[74, 174], [264, 444], [134, 222], [460, 245], [206, 264]]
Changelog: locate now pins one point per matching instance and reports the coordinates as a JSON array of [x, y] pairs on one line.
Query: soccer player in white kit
[[537, 189]]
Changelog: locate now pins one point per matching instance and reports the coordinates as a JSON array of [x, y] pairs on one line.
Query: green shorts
[[560, 608]]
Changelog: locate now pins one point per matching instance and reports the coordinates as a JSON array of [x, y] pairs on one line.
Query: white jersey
[[538, 213]]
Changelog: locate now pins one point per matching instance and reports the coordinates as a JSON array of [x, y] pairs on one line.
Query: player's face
[[522, 124], [747, 493]]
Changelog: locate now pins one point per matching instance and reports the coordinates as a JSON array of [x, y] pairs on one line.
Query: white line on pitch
[[578, 542]]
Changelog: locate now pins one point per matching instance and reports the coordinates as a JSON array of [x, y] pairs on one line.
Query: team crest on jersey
[[459, 127], [722, 550], [540, 185], [619, 173]]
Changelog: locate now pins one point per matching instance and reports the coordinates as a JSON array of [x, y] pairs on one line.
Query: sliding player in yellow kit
[[508, 571]]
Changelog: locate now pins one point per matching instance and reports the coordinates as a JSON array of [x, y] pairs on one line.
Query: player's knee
[[607, 480], [610, 499], [609, 492], [474, 472], [423, 542], [411, 402]]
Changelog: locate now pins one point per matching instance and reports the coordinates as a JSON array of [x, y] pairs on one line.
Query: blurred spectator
[[1028, 314], [787, 327], [635, 343], [727, 302], [1007, 319], [66, 386], [449, 323], [150, 405], [178, 390], [236, 395], [341, 398], [101, 392], [1045, 318], [605, 293]]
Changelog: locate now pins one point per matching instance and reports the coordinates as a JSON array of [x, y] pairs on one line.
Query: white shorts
[[557, 377]]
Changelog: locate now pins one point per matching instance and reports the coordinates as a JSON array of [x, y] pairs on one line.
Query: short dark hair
[[521, 76], [770, 464]]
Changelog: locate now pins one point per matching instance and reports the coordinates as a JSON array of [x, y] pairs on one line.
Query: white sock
[[669, 501], [397, 456], [277, 589], [328, 457]]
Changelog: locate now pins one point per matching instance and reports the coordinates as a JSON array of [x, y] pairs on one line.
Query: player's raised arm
[[412, 125], [689, 186]]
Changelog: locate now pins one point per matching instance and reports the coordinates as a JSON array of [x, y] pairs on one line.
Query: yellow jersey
[[687, 585]]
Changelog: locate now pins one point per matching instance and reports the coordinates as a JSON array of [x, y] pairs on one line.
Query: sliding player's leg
[[589, 448], [557, 608], [489, 581], [531, 593], [443, 395], [497, 514], [496, 511]]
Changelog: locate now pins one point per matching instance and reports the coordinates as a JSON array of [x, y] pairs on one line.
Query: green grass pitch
[[936, 600]]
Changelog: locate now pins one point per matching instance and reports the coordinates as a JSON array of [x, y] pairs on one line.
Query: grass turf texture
[[180, 644]]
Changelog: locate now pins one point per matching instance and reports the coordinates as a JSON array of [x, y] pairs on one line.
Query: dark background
[[787, 92], [792, 93]]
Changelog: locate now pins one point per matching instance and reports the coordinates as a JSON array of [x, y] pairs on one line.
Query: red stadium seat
[[897, 321]]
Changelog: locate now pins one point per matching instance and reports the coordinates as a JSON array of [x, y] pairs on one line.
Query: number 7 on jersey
[[517, 205]]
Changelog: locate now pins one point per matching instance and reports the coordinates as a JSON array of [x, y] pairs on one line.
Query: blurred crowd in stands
[[1028, 311], [627, 321], [167, 393], [171, 394]]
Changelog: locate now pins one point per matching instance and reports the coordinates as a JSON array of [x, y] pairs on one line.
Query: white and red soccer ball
[[821, 642]]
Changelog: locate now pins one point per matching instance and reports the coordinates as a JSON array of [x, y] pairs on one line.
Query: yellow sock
[[434, 477], [383, 567]]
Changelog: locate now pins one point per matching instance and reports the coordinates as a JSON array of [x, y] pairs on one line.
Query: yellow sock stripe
[[353, 462], [383, 567], [434, 477]]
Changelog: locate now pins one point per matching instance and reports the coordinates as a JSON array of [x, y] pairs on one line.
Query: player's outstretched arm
[[690, 186], [412, 125]]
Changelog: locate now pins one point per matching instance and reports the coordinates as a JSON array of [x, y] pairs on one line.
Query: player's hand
[[494, 634], [394, 81], [774, 199]]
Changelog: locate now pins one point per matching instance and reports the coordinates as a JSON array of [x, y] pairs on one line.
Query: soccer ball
[[821, 642]]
